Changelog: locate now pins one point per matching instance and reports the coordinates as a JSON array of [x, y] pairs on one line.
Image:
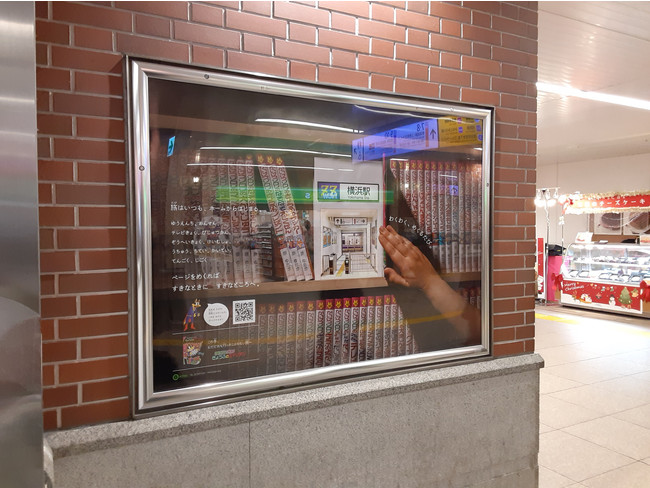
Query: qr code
[[243, 311]]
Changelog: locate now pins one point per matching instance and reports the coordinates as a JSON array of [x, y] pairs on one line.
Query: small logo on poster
[[329, 191]]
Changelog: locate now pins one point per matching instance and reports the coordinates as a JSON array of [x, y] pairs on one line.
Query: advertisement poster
[[274, 231]]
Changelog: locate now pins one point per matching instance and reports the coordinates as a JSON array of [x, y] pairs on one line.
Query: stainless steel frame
[[146, 401], [21, 418]]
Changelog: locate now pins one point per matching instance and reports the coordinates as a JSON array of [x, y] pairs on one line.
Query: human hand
[[413, 269]]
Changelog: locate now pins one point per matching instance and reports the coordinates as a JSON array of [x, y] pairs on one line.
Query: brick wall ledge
[[116, 434]]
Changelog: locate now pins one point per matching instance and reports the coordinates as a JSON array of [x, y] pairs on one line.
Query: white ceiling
[[593, 46]]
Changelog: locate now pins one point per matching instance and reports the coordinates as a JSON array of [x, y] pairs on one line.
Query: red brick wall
[[477, 52]]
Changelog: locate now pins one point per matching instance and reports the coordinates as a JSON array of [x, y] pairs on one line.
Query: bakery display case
[[609, 277]]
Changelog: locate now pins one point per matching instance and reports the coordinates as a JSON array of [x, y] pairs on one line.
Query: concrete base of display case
[[467, 425]]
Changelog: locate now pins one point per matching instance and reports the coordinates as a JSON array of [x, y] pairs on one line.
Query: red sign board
[[622, 203]]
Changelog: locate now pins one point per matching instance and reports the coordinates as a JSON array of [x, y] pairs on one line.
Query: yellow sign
[[460, 131]]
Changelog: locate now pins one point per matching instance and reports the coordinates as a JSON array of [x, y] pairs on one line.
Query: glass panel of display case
[[611, 277], [290, 233]]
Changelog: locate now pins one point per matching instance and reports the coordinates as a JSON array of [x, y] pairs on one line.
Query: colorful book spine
[[379, 327], [235, 219], [447, 211], [263, 337], [421, 207], [264, 167], [301, 334], [280, 181], [320, 333], [476, 217], [347, 330], [281, 353], [328, 349], [225, 238], [291, 336], [310, 333], [435, 214], [337, 338], [406, 183], [394, 327], [363, 328], [388, 327], [461, 217], [466, 218], [401, 332], [427, 198], [354, 331], [455, 217], [272, 340], [243, 209], [296, 230], [370, 329]]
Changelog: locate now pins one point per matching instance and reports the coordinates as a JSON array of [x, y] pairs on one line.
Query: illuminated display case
[[286, 234], [610, 277]]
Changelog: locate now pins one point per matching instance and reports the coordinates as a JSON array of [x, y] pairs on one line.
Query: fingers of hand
[[394, 240], [394, 277]]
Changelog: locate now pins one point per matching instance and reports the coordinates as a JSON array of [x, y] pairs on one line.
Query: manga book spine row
[[305, 334], [308, 334], [445, 199]]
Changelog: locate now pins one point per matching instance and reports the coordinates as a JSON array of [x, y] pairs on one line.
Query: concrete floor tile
[[545, 428], [577, 458], [551, 479], [558, 413], [598, 399], [629, 386], [641, 357], [617, 435], [554, 340], [555, 356], [616, 365], [635, 475], [583, 373], [639, 415], [550, 383]]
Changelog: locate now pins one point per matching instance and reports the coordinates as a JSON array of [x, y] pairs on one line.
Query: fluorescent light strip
[[277, 149], [310, 124], [569, 91], [311, 168]]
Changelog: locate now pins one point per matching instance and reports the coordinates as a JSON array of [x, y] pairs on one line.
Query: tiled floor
[[595, 399]]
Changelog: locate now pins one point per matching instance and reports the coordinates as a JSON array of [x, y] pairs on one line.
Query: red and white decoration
[[634, 299], [607, 202]]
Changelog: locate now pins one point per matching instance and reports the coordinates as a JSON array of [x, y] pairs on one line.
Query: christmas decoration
[[607, 202]]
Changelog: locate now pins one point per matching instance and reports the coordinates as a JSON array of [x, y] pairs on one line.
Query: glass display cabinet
[[611, 277]]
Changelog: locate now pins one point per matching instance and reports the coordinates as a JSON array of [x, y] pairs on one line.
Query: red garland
[[645, 292], [558, 281]]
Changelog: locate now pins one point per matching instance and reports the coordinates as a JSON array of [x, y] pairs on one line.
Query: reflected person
[[412, 270]]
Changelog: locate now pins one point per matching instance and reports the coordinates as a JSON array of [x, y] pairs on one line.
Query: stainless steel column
[[21, 425]]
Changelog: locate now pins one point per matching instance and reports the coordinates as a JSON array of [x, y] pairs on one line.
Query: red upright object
[[554, 266]]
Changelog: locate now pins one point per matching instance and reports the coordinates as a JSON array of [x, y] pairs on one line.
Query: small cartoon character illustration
[[612, 300], [191, 314], [192, 351], [599, 294]]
